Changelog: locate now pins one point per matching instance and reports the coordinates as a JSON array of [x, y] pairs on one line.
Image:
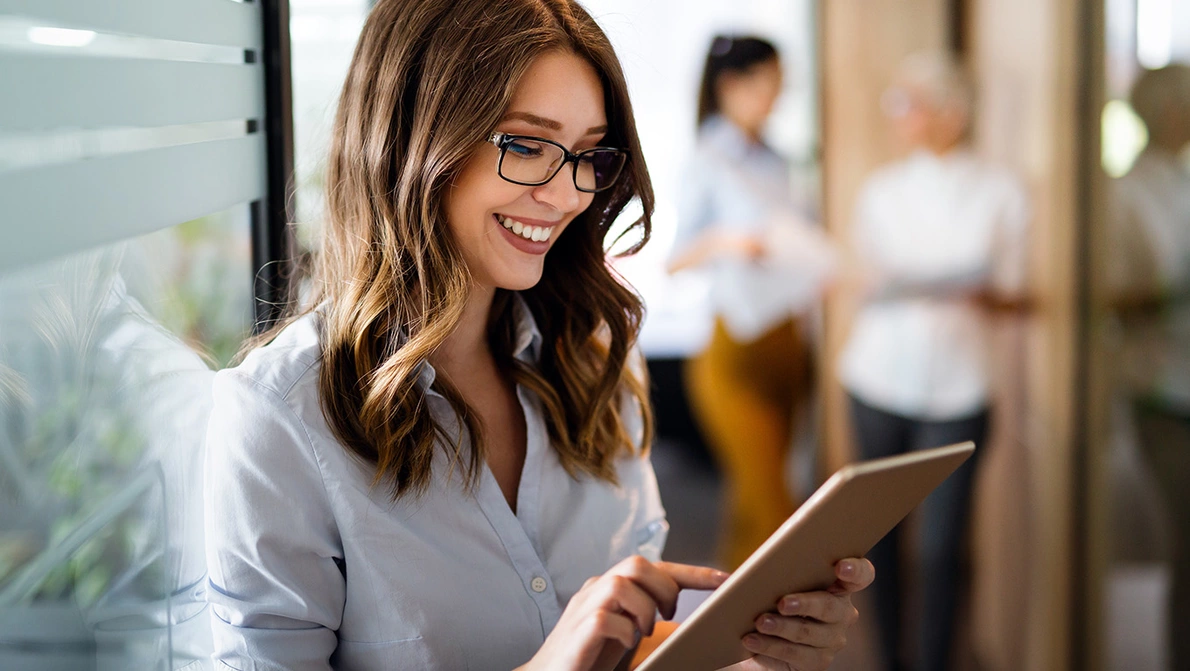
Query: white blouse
[[313, 568], [935, 227]]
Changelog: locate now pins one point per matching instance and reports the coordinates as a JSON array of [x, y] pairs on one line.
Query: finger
[[821, 606], [605, 625], [663, 580], [621, 593], [854, 575], [804, 631], [760, 664], [656, 583], [693, 577], [788, 655]]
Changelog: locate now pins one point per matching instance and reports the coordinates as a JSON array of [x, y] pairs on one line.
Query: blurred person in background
[[1148, 268], [940, 241], [737, 217]]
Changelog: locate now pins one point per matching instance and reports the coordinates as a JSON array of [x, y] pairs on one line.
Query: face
[[747, 97], [505, 229], [918, 121]]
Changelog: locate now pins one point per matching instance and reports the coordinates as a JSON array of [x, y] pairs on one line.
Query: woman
[[942, 238], [439, 462], [738, 219]]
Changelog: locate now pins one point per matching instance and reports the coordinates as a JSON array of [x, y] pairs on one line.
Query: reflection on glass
[[104, 400], [1144, 279]]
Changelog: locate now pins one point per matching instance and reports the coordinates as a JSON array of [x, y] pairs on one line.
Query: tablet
[[848, 514]]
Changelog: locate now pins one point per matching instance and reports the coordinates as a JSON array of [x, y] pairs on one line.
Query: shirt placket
[[517, 532]]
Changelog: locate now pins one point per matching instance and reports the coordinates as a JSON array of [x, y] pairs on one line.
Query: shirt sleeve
[[275, 589], [1131, 268], [1010, 265], [649, 526], [694, 204]]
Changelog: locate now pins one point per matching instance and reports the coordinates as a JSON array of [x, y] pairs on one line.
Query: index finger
[[693, 577]]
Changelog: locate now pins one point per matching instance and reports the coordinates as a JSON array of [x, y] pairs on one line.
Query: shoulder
[[881, 188], [270, 401], [886, 178], [284, 367]]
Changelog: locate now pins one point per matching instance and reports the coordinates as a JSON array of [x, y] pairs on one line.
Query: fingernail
[[791, 605], [722, 575], [752, 642], [847, 569], [767, 624]]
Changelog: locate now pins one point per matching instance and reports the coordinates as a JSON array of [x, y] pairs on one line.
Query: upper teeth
[[534, 233]]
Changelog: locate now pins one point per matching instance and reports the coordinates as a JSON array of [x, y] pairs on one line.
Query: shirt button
[[538, 584]]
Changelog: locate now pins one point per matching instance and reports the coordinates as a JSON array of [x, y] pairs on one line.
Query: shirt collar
[[727, 138], [526, 345]]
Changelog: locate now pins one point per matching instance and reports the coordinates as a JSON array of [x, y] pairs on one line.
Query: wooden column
[[1034, 63], [1029, 59], [862, 43]]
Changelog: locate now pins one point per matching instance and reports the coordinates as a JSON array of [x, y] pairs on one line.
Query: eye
[[525, 148]]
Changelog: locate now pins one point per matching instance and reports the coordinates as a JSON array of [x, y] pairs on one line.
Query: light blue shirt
[[734, 184], [313, 568]]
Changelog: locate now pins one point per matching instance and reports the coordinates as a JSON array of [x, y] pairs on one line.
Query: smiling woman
[[453, 415]]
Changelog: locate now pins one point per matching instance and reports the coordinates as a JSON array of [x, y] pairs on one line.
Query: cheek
[[474, 192], [911, 125]]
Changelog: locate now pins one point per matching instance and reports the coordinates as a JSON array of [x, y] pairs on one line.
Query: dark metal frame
[[1090, 63], [272, 238]]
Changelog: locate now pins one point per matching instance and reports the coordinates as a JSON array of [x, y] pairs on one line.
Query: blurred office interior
[[161, 172]]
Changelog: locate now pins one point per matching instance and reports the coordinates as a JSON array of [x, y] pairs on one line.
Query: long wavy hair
[[428, 83]]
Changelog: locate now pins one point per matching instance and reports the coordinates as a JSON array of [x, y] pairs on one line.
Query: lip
[[527, 246]]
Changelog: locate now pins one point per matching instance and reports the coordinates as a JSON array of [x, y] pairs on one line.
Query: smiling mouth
[[531, 233]]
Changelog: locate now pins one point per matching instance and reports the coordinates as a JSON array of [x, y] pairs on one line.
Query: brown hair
[[726, 54], [428, 82]]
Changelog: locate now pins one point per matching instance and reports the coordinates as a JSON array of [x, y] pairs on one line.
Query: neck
[[467, 346], [752, 132], [943, 146]]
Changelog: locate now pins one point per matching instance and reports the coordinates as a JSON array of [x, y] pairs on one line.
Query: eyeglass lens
[[534, 162]]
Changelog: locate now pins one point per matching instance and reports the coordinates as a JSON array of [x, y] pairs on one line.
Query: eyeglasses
[[533, 161]]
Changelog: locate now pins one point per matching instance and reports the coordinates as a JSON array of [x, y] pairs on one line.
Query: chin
[[519, 281]]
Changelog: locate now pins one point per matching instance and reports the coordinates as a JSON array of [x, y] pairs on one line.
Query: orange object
[[661, 630]]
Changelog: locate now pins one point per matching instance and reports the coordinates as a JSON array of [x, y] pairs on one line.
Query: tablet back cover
[[848, 514]]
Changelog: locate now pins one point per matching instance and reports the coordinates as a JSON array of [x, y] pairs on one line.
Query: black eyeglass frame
[[502, 140]]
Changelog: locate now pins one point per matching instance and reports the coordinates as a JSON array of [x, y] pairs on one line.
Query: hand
[[857, 282], [747, 247], [608, 615], [808, 629]]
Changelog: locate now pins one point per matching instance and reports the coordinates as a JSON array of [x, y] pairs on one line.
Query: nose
[[560, 191]]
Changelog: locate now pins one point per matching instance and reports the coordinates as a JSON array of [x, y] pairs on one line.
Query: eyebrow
[[549, 124]]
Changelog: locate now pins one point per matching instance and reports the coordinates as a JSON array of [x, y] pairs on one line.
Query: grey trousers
[[1165, 441], [943, 526]]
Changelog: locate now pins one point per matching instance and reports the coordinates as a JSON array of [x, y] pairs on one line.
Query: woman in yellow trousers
[[744, 396], [737, 220]]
